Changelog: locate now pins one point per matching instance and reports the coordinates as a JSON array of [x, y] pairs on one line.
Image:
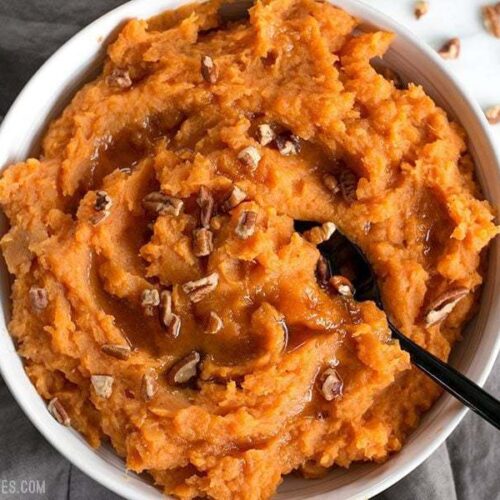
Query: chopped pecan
[[149, 385], [348, 185], [236, 197], [246, 224], [38, 298], [174, 327], [440, 307], [209, 70], [199, 289], [331, 384], [57, 410], [421, 8], [214, 323], [265, 134], [117, 351], [102, 201], [250, 156], [342, 285], [493, 114], [205, 201], [202, 242], [103, 385], [160, 204], [450, 49], [185, 369], [320, 234], [150, 298], [491, 18], [119, 78], [166, 308], [322, 271], [331, 183], [288, 144]]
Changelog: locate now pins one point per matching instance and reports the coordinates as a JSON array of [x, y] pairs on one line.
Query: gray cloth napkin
[[466, 467]]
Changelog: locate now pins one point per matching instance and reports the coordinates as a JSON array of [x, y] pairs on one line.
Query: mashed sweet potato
[[163, 299]]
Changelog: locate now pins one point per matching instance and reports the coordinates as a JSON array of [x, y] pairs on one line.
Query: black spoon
[[341, 253]]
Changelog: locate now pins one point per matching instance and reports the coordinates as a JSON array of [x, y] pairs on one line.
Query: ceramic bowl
[[49, 91]]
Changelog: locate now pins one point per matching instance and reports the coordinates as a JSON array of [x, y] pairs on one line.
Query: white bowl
[[49, 91]]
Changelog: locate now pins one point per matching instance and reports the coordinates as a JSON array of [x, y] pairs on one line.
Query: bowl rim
[[147, 8]]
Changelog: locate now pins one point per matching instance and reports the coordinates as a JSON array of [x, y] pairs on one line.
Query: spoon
[[341, 253]]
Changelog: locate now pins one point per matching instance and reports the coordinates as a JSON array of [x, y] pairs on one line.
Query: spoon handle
[[466, 391]]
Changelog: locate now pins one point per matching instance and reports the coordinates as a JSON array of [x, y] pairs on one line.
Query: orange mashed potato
[[163, 300]]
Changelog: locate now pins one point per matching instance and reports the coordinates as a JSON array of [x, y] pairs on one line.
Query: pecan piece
[[331, 183], [150, 298], [421, 8], [57, 410], [202, 242], [440, 307], [342, 285], [493, 114], [149, 385], [265, 134], [119, 78], [103, 385], [117, 351], [209, 70], [320, 234], [288, 144], [199, 289], [246, 224], [102, 201], [205, 201], [330, 384], [185, 369], [250, 156], [174, 327], [38, 298], [322, 271], [491, 18], [102, 205], [236, 197], [348, 185], [166, 308], [160, 204], [214, 323], [450, 49]]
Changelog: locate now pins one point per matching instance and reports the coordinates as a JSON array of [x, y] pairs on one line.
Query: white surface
[[478, 67], [44, 96]]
